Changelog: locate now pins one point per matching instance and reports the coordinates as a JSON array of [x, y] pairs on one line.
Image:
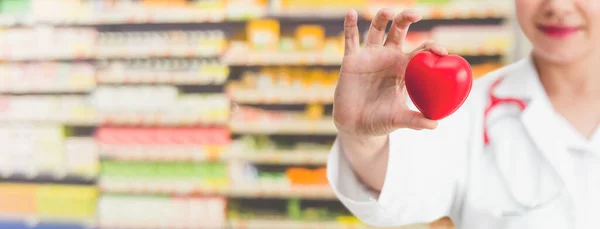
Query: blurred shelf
[[481, 60], [82, 122], [158, 81], [123, 54], [453, 10], [36, 221], [283, 157], [434, 11], [202, 89], [182, 87], [245, 12], [244, 58], [47, 179], [132, 141], [474, 51], [200, 154], [162, 16], [183, 52], [320, 14], [282, 96], [303, 224], [291, 107], [328, 58], [121, 120], [162, 153], [324, 126], [45, 89], [156, 120], [290, 192], [135, 15], [148, 187], [293, 224]]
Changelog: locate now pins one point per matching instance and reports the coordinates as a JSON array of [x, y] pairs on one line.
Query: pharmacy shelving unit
[[139, 116], [285, 112]]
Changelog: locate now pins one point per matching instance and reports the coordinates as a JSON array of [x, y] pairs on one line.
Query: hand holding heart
[[371, 94]]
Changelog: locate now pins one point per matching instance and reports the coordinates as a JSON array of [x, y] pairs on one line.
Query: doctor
[[522, 152]]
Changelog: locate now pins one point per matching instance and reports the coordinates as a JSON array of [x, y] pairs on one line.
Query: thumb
[[413, 120]]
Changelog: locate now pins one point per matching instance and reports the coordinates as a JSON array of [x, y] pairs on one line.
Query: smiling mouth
[[556, 31]]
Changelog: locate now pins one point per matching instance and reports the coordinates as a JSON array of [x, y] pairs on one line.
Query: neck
[[577, 79]]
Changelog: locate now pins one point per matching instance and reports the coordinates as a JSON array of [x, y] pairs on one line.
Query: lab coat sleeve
[[424, 178]]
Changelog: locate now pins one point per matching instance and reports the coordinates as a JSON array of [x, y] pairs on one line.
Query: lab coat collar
[[523, 82]]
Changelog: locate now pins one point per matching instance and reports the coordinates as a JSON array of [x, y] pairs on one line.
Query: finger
[[413, 120], [351, 37], [430, 46], [377, 29], [400, 27]]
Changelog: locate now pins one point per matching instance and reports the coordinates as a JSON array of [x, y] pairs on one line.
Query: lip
[[558, 31]]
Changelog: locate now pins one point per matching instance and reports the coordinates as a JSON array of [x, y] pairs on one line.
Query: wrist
[[363, 146]]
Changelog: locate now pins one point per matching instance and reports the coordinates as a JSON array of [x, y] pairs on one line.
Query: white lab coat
[[535, 173]]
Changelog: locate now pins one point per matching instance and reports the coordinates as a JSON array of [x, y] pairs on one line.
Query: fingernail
[[441, 51], [351, 13], [413, 13], [387, 12]]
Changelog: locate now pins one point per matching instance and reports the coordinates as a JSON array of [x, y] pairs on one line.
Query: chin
[[559, 50], [561, 56]]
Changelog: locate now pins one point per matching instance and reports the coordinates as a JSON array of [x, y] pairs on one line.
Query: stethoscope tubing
[[494, 102]]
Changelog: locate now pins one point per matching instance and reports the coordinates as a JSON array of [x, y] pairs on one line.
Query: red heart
[[438, 85]]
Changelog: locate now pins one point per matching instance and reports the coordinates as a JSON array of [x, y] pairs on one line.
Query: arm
[[414, 177], [368, 158], [390, 165]]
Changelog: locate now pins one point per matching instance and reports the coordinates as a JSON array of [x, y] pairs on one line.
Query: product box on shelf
[[162, 144], [474, 40], [45, 150], [173, 43], [165, 71], [75, 109], [248, 120], [284, 85], [263, 35], [247, 9], [304, 8], [161, 212], [43, 43], [18, 199], [66, 201], [444, 9], [121, 105], [43, 203], [262, 150], [95, 12], [81, 156], [207, 178], [46, 77]]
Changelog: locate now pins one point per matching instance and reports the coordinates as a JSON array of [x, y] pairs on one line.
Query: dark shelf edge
[[47, 179]]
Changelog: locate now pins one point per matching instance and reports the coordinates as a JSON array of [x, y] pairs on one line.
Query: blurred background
[[192, 113]]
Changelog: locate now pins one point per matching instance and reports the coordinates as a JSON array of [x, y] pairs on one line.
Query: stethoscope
[[494, 102]]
